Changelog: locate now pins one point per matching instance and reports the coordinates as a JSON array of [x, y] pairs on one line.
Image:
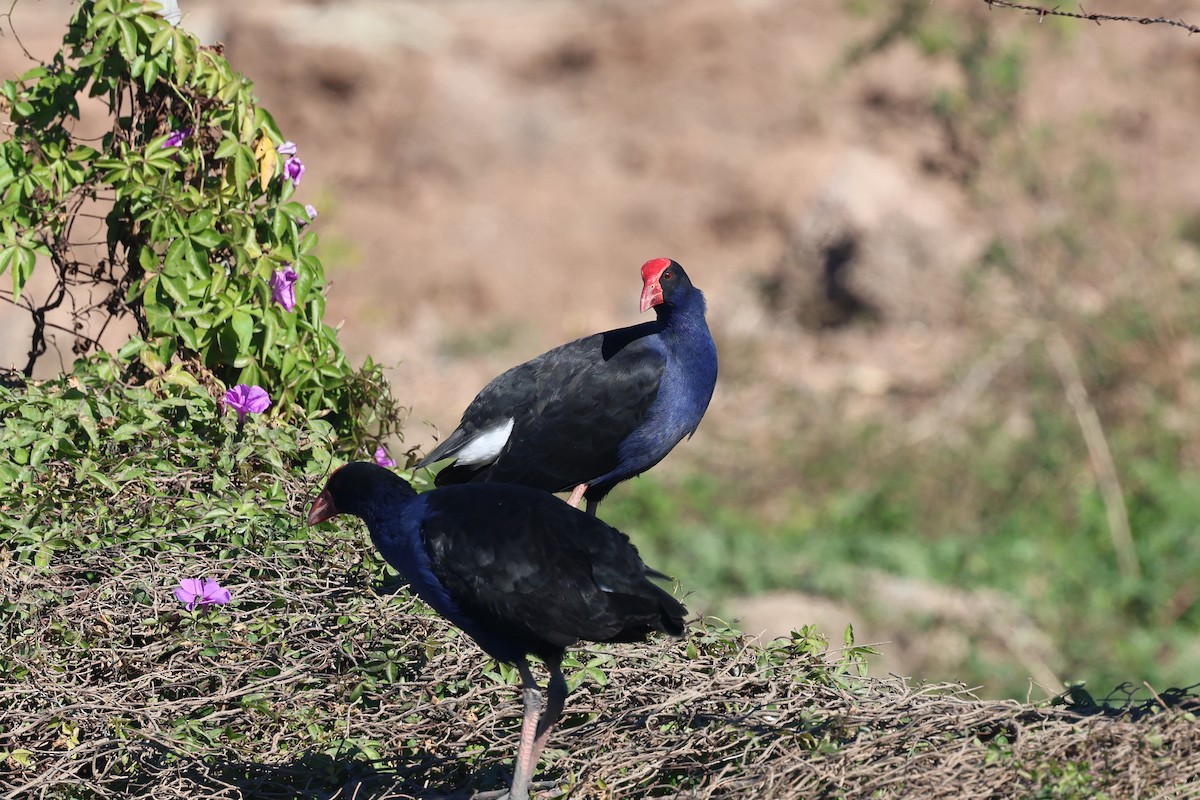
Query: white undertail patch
[[486, 445]]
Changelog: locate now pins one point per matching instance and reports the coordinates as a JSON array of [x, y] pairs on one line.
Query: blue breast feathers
[[688, 380]]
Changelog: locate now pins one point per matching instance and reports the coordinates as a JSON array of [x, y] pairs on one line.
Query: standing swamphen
[[596, 411], [519, 571]]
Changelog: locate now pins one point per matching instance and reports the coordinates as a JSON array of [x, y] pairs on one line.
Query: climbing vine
[[204, 245]]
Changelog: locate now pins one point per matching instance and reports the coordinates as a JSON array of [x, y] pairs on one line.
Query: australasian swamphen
[[596, 411], [518, 570]]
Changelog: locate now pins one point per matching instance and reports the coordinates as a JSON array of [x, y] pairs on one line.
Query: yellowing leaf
[[152, 362], [267, 158], [178, 376]]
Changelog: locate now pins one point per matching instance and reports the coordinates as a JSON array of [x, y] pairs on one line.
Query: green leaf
[[227, 147], [269, 328], [105, 481], [129, 37], [243, 168], [158, 317], [22, 268], [150, 76], [208, 239], [289, 362], [147, 259], [307, 242], [272, 457], [243, 326], [182, 259], [176, 262], [82, 153], [130, 349], [198, 289], [87, 421], [31, 75], [183, 62], [159, 157], [7, 256], [161, 40], [149, 291], [197, 266], [116, 170], [218, 281], [40, 448], [176, 286], [200, 221], [264, 121], [230, 89], [151, 26], [186, 333]]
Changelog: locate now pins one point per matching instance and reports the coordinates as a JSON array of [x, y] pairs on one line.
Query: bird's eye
[[666, 276]]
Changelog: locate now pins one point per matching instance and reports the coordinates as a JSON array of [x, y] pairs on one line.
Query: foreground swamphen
[[518, 570], [596, 411]]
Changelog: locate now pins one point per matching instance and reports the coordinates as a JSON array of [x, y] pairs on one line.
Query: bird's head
[[662, 280], [355, 489]]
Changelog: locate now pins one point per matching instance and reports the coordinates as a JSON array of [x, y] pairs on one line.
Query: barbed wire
[[1097, 18]]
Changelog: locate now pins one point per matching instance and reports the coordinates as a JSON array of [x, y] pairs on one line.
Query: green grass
[[991, 509], [1006, 497]]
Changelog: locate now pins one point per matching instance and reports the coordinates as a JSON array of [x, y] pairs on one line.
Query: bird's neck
[[683, 323], [393, 518], [686, 336], [687, 309]]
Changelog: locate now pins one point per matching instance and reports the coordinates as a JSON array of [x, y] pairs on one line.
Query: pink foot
[[577, 495]]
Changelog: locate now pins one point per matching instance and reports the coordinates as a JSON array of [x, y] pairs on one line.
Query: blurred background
[[950, 255]]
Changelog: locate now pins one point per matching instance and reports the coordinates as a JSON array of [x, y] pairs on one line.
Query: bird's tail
[[671, 613], [652, 609]]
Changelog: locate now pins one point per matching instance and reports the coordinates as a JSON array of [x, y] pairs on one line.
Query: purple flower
[[382, 458], [176, 138], [283, 287], [201, 592], [247, 400], [311, 211], [293, 170]]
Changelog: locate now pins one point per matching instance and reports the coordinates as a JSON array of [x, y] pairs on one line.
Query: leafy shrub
[[195, 189], [318, 674]]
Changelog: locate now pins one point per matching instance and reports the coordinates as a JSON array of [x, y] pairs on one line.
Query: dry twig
[[715, 722]]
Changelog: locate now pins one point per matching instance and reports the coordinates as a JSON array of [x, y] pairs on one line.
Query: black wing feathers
[[541, 573], [494, 404], [571, 407]]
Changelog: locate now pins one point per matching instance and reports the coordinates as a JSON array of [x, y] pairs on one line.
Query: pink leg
[[526, 757], [556, 697], [577, 495]]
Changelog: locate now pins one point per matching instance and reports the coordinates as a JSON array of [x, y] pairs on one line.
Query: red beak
[[322, 509], [652, 270], [651, 295]]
